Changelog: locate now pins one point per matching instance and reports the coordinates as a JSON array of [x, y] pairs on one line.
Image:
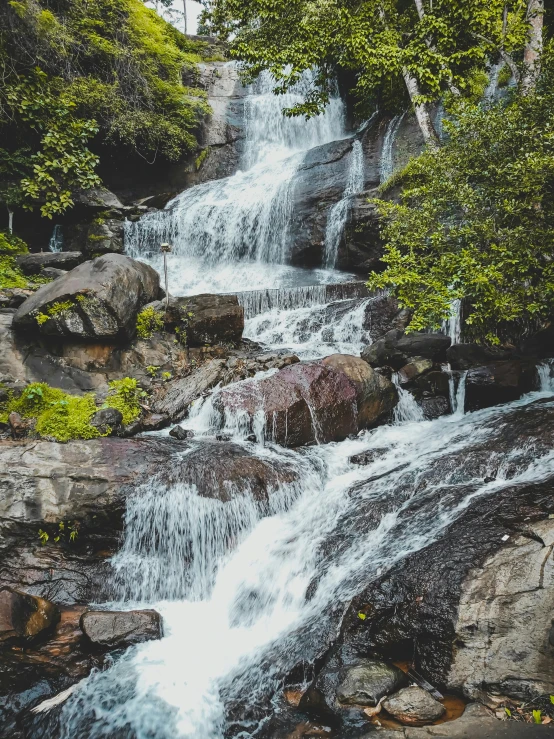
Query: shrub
[[10, 274], [148, 321], [476, 219]]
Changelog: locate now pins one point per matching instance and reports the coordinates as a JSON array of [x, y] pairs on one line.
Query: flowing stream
[[249, 588]]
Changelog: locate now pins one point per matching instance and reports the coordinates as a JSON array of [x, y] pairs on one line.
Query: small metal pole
[[166, 249]]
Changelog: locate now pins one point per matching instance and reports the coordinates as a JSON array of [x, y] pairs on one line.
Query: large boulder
[[98, 300], [504, 619], [376, 396], [465, 356], [301, 404], [397, 350], [368, 681], [25, 616], [121, 628]]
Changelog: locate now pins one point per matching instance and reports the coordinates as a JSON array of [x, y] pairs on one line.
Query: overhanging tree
[[429, 46]]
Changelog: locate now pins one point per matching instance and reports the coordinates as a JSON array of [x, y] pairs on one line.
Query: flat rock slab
[[476, 723], [32, 264], [121, 628]]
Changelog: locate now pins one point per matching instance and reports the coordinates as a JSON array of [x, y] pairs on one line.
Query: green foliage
[[149, 320], [125, 395], [83, 77], [476, 219], [66, 532], [152, 370], [56, 309], [537, 717], [201, 158], [58, 414], [376, 40], [10, 274]]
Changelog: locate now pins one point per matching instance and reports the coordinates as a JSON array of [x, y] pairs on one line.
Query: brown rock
[[376, 396], [413, 706], [304, 403], [121, 628], [25, 616]]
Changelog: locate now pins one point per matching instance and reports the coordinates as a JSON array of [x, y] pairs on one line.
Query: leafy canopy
[[476, 218], [376, 40], [84, 78]]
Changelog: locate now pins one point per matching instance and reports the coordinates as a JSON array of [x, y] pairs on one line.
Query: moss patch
[[148, 321], [125, 396], [58, 414]]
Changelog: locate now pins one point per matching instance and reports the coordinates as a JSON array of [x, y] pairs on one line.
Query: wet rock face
[[414, 706], [43, 483], [367, 682], [215, 319], [412, 611], [121, 628], [24, 616], [376, 396], [224, 470], [465, 356], [504, 620], [498, 382], [301, 404], [99, 299]]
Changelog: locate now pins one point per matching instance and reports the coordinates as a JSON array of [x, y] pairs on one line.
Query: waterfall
[[336, 220], [56, 240], [231, 584], [452, 327], [230, 232], [406, 410], [492, 87], [387, 153], [545, 372], [315, 330]]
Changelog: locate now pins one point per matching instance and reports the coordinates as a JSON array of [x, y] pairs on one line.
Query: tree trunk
[[185, 15], [422, 113], [533, 49]]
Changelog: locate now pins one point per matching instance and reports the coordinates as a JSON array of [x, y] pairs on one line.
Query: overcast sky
[[193, 11]]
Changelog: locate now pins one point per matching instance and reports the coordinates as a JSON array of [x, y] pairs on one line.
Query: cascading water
[[56, 240], [338, 214], [387, 154], [232, 234], [249, 589], [241, 618]]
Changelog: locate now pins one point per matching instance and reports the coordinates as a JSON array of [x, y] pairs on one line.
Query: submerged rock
[[414, 706], [25, 616], [99, 299], [368, 681], [301, 404], [121, 628]]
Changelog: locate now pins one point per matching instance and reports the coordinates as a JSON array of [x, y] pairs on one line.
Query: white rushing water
[[233, 234], [231, 583], [387, 155], [336, 220], [250, 586]]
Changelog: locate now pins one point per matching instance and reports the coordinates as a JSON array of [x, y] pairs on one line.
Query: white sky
[[176, 17]]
